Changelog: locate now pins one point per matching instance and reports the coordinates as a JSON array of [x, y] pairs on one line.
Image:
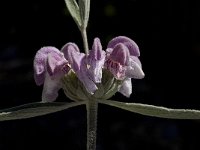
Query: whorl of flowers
[[100, 74]]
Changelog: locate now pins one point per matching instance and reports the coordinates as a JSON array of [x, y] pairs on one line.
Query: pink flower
[[49, 66], [95, 61], [77, 62], [122, 61]]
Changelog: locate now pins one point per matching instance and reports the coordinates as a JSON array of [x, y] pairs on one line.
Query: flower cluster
[[98, 74]]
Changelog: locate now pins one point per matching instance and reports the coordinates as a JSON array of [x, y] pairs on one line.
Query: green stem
[[155, 111], [85, 41], [92, 108]]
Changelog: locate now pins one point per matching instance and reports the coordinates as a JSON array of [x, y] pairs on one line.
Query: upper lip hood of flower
[[95, 61], [49, 59], [97, 53], [73, 55], [130, 44], [120, 54], [117, 61]]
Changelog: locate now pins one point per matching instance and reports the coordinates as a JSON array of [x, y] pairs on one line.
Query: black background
[[168, 34]]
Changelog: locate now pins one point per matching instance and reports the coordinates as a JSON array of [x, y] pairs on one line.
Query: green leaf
[[35, 109], [74, 11], [84, 11], [154, 111]]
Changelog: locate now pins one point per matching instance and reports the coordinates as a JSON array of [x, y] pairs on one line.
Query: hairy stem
[[85, 40], [92, 108]]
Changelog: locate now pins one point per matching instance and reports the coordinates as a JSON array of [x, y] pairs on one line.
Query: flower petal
[[134, 70], [50, 89], [65, 49], [108, 51], [120, 54], [126, 87], [97, 53], [87, 82], [40, 62], [136, 59], [83, 76], [73, 55], [117, 61], [130, 44], [57, 64], [78, 63], [95, 61]]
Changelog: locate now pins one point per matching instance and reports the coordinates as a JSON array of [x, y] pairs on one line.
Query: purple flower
[[95, 61], [122, 61], [49, 66], [117, 61], [126, 87], [78, 62]]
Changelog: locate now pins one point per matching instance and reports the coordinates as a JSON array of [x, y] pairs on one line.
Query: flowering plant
[[89, 78]]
